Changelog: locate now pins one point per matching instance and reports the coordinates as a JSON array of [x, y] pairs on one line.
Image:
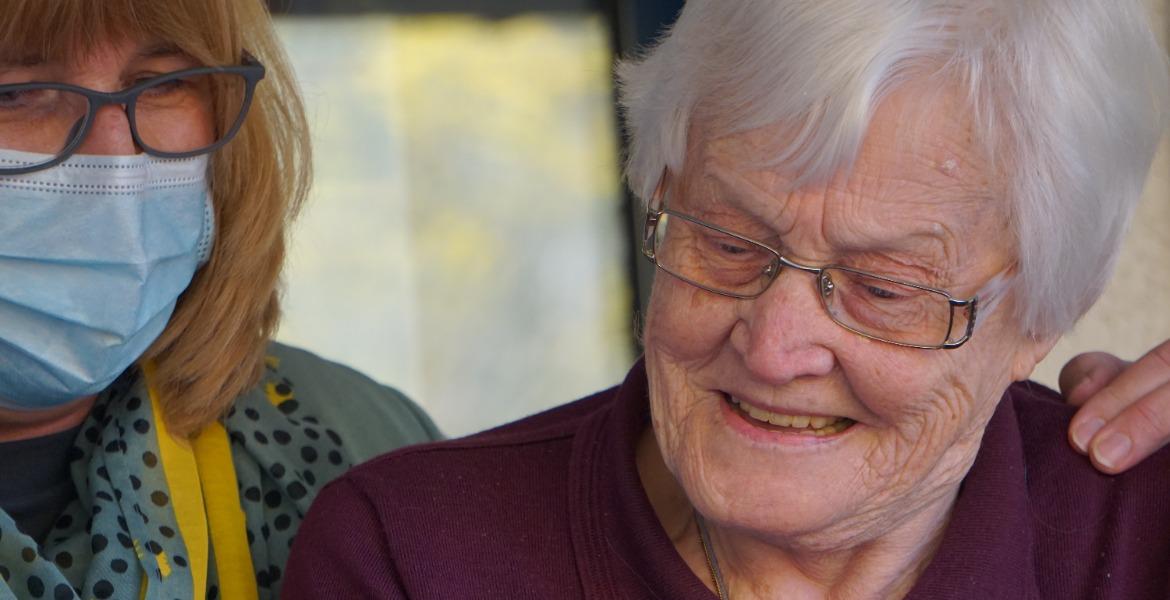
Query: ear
[[1029, 354]]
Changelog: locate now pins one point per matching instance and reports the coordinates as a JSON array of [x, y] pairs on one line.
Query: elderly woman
[[153, 442], [871, 218]]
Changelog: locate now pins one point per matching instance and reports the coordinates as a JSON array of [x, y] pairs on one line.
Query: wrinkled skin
[[856, 514]]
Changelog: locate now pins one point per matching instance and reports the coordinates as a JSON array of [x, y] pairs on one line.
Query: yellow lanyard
[[204, 495]]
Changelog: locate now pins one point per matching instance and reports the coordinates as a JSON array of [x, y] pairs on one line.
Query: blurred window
[[465, 240]]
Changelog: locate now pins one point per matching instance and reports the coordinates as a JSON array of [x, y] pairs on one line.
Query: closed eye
[[25, 103], [14, 99], [165, 87], [883, 293], [733, 249]]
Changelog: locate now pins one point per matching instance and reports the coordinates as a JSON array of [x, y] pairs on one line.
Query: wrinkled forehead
[[921, 173], [923, 130], [921, 138]]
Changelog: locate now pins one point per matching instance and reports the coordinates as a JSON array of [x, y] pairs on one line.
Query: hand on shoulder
[[1124, 414]]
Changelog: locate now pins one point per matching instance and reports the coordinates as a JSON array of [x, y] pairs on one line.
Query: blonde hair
[[214, 346]]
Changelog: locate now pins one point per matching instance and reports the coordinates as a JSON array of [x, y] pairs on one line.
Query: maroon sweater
[[551, 507]]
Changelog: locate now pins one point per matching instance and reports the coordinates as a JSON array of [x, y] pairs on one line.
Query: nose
[[782, 334], [109, 134]]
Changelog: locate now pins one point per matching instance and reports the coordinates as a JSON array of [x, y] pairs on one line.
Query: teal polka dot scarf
[[123, 531]]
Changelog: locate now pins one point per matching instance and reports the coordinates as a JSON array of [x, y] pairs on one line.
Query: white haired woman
[[872, 218]]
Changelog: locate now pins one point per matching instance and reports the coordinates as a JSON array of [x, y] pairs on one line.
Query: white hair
[[1070, 94]]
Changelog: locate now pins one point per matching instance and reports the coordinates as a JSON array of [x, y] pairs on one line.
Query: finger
[[1134, 382], [1085, 375], [1080, 379], [1134, 434]]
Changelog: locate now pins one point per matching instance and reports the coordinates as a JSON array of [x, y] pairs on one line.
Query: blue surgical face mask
[[94, 253]]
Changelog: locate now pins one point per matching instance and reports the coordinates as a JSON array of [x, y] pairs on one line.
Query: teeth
[[778, 419], [756, 413], [819, 426]]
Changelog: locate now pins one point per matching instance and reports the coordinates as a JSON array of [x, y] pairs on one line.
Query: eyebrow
[[741, 194], [160, 51], [20, 61]]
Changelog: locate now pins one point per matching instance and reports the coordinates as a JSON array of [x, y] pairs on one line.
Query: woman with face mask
[[153, 441]]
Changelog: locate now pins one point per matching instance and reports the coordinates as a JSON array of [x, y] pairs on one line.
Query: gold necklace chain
[[712, 561]]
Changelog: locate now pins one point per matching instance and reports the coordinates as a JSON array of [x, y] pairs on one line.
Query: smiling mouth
[[800, 424]]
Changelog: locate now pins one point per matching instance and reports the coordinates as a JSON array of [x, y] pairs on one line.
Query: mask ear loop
[[207, 234]]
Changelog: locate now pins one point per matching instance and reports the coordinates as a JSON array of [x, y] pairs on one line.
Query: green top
[[308, 421], [371, 417]]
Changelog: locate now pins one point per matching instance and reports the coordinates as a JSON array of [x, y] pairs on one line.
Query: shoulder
[[1043, 418], [372, 417], [1116, 528], [435, 513], [526, 458], [551, 432], [1040, 411], [439, 511]]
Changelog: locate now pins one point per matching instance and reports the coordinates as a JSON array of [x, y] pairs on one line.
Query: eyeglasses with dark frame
[[874, 306], [72, 109]]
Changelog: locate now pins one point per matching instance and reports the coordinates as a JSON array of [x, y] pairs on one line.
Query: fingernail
[[1111, 450], [1085, 431]]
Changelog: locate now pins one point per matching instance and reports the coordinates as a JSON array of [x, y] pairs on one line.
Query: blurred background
[[469, 240]]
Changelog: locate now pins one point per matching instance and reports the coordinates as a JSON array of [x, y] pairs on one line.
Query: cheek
[[933, 410], [686, 329], [202, 132], [179, 136], [906, 385], [685, 323], [201, 128], [675, 412]]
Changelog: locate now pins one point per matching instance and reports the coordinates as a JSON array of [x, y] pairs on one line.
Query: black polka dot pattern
[[63, 592], [123, 527], [290, 455]]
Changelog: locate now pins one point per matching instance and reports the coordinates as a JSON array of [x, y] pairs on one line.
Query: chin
[[785, 486], [797, 491]]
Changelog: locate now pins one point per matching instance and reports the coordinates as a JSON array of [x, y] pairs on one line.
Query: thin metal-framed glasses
[[48, 119], [874, 306]]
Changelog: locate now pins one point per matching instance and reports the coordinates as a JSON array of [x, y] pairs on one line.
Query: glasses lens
[[40, 120], [886, 310], [189, 114], [711, 258]]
